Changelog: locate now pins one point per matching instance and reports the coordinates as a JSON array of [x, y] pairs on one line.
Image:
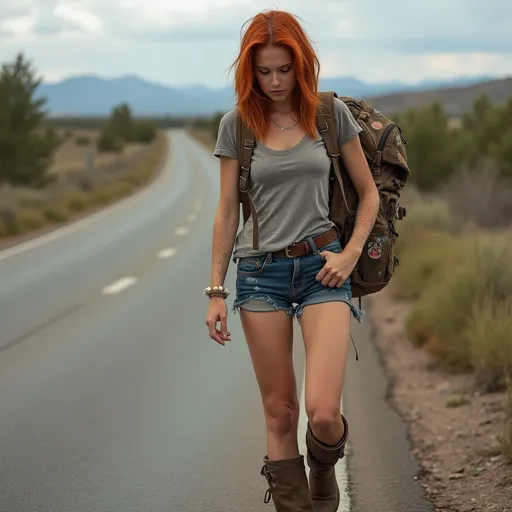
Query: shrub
[[108, 141], [441, 315], [424, 261], [488, 337], [28, 219], [480, 196], [56, 213]]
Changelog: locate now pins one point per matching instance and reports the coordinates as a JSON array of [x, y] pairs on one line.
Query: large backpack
[[384, 148]]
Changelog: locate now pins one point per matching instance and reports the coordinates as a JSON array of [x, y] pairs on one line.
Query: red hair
[[276, 28]]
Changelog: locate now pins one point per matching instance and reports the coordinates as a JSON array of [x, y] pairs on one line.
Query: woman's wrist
[[217, 291]]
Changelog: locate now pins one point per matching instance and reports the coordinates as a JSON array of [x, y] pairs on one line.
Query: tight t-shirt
[[289, 188]]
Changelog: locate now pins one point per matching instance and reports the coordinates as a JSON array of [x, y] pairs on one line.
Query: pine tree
[[26, 145]]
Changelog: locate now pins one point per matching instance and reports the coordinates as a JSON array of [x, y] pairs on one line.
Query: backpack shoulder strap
[[245, 145], [244, 162], [326, 124]]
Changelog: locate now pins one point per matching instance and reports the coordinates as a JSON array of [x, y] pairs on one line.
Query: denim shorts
[[270, 282]]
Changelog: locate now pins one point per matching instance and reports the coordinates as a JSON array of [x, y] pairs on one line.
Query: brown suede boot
[[288, 484], [322, 477]]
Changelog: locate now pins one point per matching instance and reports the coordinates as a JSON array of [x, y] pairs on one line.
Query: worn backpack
[[384, 148]]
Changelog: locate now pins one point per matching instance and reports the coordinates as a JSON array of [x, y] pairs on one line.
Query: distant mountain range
[[455, 101], [96, 96]]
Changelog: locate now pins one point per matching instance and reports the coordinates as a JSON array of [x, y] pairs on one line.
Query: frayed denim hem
[[356, 312], [238, 303]]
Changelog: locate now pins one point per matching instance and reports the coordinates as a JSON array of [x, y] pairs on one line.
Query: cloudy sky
[[179, 42]]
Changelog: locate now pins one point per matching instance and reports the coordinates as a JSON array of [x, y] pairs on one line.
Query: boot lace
[[271, 484]]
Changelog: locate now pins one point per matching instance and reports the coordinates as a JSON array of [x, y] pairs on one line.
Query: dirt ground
[[71, 156], [453, 429]]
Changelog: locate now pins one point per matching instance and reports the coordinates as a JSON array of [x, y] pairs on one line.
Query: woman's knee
[[323, 417], [281, 415]]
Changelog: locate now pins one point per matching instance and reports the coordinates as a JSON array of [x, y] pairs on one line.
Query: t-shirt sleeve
[[226, 139], [348, 127]]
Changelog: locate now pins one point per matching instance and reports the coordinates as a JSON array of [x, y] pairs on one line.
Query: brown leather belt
[[303, 247]]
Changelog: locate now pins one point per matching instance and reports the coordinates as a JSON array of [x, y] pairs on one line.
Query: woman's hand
[[217, 313], [337, 267]]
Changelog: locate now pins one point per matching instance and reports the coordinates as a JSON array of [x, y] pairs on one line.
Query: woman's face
[[274, 72]]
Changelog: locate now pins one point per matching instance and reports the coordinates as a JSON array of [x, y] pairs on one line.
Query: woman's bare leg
[[269, 337]]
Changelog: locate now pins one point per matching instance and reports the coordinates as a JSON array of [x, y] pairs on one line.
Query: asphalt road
[[113, 398]]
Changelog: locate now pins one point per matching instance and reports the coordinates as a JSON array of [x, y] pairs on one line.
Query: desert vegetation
[[52, 171], [455, 245]]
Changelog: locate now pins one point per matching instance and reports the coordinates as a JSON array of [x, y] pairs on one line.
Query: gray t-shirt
[[289, 188]]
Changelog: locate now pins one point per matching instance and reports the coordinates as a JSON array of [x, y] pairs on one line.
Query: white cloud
[[79, 17], [187, 41]]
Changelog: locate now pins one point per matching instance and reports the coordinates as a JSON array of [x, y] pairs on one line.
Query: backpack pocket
[[377, 262], [376, 259]]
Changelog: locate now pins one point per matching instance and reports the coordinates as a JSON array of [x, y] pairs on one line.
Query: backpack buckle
[[248, 144], [242, 183], [323, 127]]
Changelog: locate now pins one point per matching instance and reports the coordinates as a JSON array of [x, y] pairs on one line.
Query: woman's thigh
[[269, 337], [326, 332]]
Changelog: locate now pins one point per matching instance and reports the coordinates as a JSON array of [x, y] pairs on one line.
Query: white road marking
[[192, 217], [169, 252], [341, 466], [119, 285], [181, 231]]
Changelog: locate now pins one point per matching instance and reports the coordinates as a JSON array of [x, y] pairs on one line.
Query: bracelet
[[216, 291]]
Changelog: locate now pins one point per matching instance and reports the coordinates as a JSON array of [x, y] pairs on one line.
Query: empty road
[[114, 399]]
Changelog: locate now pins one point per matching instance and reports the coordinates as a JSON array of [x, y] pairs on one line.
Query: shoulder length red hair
[[276, 28]]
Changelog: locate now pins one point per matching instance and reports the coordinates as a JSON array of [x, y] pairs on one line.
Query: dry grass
[[458, 275], [77, 191], [453, 315], [204, 137], [72, 154]]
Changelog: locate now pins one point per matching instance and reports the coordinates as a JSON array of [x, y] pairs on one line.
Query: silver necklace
[[287, 128]]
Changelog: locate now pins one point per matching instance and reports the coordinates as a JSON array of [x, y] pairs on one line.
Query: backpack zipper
[[385, 136]]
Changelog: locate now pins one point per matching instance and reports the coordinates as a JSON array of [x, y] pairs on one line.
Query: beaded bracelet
[[217, 291]]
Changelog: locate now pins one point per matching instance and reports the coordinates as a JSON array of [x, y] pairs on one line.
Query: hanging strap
[[245, 143], [327, 128]]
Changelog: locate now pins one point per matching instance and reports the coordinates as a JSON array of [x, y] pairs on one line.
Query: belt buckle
[[287, 250]]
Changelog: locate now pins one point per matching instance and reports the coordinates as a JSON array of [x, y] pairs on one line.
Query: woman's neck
[[283, 108]]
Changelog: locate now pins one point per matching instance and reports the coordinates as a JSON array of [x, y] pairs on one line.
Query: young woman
[[276, 84]]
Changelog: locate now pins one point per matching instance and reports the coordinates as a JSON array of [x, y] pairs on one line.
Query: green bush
[[440, 317], [144, 132], [488, 337], [108, 141]]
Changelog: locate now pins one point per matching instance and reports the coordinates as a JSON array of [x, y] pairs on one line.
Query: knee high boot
[[288, 484], [322, 458]]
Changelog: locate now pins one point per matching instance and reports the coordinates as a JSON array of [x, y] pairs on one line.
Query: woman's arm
[[226, 220], [369, 200]]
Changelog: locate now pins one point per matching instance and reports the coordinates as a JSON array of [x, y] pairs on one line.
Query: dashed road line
[[119, 285], [168, 252], [182, 230]]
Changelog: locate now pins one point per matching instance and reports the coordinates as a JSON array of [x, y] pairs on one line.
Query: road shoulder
[[453, 429]]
